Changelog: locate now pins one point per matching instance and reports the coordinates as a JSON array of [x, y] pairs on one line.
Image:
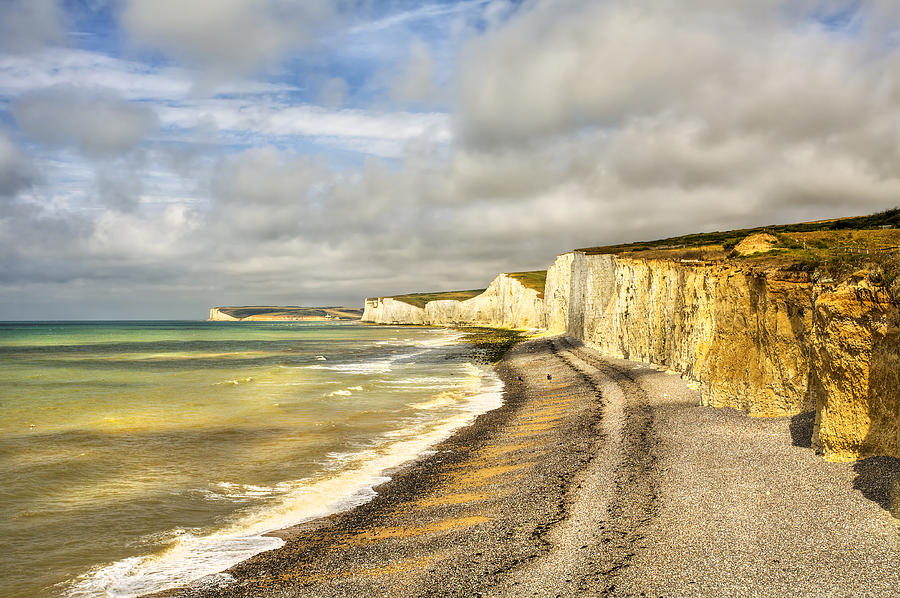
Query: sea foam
[[350, 482]]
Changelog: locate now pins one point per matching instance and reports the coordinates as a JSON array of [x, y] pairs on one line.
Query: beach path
[[604, 479]]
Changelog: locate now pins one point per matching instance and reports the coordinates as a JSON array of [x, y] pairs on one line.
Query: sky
[[159, 157]]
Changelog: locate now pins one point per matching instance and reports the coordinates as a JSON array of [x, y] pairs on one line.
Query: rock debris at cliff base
[[608, 480]]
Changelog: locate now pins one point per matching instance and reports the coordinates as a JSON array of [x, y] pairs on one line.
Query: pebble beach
[[599, 477]]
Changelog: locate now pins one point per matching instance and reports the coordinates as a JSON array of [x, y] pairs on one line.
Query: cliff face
[[506, 303], [385, 310], [291, 313], [765, 344], [769, 344], [215, 315], [856, 378]]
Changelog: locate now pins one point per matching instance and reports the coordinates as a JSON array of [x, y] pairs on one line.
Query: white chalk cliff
[[768, 343], [506, 303]]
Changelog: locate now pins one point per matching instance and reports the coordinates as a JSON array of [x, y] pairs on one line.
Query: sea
[[137, 456]]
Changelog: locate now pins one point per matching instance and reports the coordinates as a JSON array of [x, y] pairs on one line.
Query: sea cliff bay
[[759, 332], [662, 432]]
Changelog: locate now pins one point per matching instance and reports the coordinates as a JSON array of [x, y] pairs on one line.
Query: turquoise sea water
[[138, 455]]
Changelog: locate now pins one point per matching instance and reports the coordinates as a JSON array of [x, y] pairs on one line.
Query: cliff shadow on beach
[[801, 427], [878, 478]]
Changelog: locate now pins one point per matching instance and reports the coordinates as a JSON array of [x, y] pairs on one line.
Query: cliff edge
[[779, 321]]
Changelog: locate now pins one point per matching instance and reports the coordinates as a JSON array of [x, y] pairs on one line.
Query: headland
[[268, 313]]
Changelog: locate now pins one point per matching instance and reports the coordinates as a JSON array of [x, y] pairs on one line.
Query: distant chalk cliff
[[262, 313]]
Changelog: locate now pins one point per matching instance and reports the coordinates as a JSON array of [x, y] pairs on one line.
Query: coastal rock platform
[[600, 477]]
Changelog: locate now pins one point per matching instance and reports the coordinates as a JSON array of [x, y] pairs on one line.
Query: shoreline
[[610, 479], [486, 460], [471, 388]]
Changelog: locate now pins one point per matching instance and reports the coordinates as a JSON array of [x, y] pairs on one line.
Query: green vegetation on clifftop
[[535, 279], [728, 239], [420, 299]]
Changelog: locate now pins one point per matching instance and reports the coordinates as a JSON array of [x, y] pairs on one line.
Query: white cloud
[[426, 12], [576, 123], [377, 133], [96, 121], [333, 92], [226, 38], [133, 80], [28, 25], [416, 82]]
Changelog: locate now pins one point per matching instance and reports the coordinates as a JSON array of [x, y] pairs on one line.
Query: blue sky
[[161, 156]]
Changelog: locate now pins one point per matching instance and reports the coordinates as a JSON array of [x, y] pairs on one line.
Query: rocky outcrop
[[506, 303], [856, 372], [765, 343]]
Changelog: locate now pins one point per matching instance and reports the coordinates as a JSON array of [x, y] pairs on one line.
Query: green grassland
[[420, 299], [728, 239], [825, 250], [535, 279]]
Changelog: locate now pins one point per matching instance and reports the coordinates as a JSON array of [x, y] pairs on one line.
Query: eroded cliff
[[387, 310], [770, 321], [768, 343], [217, 315], [292, 313], [506, 303]]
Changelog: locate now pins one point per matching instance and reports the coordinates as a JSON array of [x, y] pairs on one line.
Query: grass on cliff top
[[822, 251], [420, 299], [728, 239], [535, 279], [246, 311]]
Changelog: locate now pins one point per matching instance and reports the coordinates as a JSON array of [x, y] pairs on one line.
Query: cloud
[[364, 131], [29, 25], [226, 38], [98, 122], [603, 64], [573, 123], [758, 109], [426, 12], [89, 69], [333, 92], [16, 170], [416, 82]]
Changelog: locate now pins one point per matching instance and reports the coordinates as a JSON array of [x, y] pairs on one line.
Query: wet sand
[[607, 480]]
